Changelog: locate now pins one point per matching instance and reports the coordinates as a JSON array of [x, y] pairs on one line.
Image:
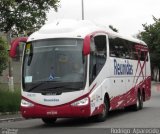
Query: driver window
[[97, 55]]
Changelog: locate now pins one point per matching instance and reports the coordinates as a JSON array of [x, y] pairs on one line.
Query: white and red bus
[[79, 69]]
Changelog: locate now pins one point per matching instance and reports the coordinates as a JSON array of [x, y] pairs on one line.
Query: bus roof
[[74, 29]]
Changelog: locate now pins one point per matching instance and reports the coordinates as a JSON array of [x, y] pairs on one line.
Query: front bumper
[[62, 111]]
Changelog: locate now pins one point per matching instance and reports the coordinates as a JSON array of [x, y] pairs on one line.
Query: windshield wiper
[[64, 86], [57, 92], [61, 90], [38, 85]]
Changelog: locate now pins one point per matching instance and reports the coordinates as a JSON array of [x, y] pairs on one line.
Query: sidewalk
[[8, 117]]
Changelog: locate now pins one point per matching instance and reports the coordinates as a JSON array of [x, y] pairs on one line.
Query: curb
[[10, 113], [14, 116], [11, 119]]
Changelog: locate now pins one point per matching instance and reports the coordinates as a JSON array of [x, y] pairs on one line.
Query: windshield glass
[[53, 65]]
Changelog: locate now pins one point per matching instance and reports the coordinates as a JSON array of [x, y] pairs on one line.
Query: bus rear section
[[89, 74]]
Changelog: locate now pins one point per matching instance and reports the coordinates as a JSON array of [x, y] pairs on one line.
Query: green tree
[[22, 15], [151, 35], [3, 55]]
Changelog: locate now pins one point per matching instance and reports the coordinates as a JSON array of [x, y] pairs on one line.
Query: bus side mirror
[[86, 45], [15, 44]]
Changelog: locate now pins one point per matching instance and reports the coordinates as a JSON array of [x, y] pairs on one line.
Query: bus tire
[[102, 117], [49, 121], [139, 102]]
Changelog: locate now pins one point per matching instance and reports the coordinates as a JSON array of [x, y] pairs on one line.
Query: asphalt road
[[148, 117]]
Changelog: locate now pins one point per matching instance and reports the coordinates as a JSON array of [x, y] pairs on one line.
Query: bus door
[[97, 66]]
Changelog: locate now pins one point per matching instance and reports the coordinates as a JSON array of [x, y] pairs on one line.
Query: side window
[[122, 48], [113, 47], [118, 48], [133, 54], [97, 55], [144, 56]]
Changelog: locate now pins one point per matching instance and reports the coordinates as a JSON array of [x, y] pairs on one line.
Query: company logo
[[51, 100], [123, 69]]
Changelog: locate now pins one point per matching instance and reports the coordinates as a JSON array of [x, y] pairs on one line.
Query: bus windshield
[[53, 65]]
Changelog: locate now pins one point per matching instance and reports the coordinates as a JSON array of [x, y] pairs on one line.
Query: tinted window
[[118, 48], [122, 48], [97, 55]]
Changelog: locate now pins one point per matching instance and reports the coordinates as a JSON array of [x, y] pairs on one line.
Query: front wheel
[[49, 121], [102, 117]]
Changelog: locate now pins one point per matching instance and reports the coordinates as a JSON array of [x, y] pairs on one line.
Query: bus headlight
[[25, 103], [82, 102]]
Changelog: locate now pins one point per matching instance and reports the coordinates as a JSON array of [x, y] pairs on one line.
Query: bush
[[10, 101]]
